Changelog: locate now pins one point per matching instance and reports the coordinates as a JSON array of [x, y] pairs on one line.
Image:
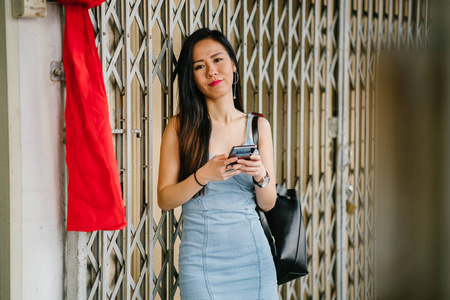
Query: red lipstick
[[215, 82]]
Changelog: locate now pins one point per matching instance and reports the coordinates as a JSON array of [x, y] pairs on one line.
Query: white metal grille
[[310, 67]]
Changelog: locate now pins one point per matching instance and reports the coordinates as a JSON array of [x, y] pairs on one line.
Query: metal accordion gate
[[310, 68]]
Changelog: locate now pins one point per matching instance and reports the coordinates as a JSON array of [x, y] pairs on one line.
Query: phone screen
[[242, 152]]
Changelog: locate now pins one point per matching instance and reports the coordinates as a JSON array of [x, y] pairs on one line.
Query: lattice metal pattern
[[310, 67], [369, 26]]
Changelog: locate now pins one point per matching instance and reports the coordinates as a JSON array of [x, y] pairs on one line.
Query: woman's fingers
[[255, 157], [229, 161], [250, 171], [232, 173], [222, 168], [254, 160], [249, 163], [252, 166], [220, 157]]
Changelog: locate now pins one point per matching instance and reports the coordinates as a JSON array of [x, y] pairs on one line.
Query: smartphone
[[242, 152]]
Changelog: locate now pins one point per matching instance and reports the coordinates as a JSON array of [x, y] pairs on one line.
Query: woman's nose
[[212, 72]]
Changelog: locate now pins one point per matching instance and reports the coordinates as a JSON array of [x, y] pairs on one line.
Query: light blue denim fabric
[[224, 254]]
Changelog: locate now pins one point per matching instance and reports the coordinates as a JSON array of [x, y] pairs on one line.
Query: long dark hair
[[194, 123]]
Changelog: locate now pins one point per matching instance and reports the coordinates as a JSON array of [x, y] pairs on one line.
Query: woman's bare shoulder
[[171, 132], [264, 125], [174, 121], [173, 124]]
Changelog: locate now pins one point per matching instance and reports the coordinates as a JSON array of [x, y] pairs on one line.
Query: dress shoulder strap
[[249, 122]]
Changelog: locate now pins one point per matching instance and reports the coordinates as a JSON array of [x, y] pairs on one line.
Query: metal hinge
[[29, 8], [57, 71], [333, 127]]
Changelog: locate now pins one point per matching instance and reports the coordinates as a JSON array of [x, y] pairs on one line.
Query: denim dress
[[224, 254]]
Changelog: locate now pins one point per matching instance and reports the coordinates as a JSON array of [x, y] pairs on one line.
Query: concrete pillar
[[31, 157]]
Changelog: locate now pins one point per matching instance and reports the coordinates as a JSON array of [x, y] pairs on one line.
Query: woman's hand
[[218, 169], [253, 167]]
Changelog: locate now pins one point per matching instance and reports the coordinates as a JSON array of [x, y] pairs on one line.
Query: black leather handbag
[[284, 229]]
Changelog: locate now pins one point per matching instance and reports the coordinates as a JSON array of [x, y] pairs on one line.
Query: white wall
[[40, 43]]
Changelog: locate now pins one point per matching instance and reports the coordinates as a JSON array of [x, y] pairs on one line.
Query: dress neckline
[[249, 140]]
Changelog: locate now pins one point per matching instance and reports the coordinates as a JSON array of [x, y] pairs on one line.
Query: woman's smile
[[215, 82]]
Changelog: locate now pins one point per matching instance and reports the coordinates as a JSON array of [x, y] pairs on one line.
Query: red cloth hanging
[[94, 191]]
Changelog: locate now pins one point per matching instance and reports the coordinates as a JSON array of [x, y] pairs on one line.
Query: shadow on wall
[[413, 169]]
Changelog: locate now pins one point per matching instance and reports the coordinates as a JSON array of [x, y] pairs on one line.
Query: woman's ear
[[234, 68]]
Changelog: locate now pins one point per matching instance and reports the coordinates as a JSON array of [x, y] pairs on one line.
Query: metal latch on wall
[[333, 127], [29, 8], [56, 71]]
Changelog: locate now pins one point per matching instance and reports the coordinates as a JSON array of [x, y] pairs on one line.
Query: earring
[[237, 77], [235, 84]]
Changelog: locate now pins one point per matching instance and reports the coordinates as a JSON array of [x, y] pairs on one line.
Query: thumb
[[221, 156]]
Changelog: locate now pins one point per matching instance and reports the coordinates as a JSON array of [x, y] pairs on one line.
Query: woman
[[224, 253]]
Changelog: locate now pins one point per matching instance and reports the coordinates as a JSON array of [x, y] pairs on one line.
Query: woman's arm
[[266, 196], [172, 193], [259, 164]]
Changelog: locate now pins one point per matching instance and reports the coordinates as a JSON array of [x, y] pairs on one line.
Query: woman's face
[[213, 69]]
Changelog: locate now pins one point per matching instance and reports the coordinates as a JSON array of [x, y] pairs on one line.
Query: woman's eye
[[198, 67], [217, 59]]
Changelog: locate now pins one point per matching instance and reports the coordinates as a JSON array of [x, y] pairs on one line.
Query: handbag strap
[[261, 214], [255, 130]]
